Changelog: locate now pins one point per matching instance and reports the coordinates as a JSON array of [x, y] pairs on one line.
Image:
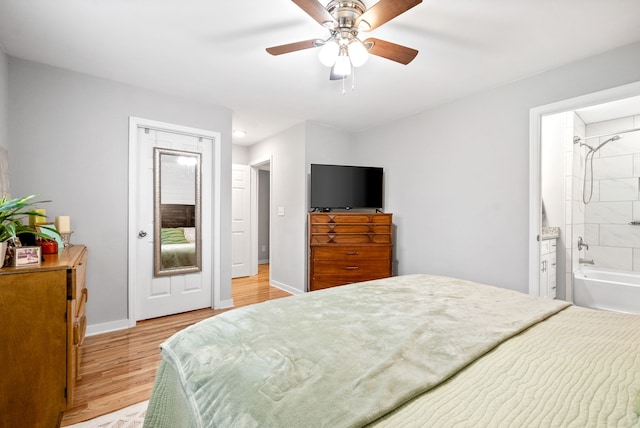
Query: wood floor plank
[[118, 369]]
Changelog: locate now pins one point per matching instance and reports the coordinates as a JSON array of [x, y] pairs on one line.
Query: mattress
[[415, 350]]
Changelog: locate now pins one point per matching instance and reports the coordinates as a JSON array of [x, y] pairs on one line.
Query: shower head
[[614, 138]]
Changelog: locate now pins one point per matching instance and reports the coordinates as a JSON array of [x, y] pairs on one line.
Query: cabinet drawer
[[351, 218], [327, 281], [351, 238], [350, 228], [351, 253], [351, 267]]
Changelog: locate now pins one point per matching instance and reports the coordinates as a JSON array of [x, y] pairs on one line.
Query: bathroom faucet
[[586, 262], [581, 244]]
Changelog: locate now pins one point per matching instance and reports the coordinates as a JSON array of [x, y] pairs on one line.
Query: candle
[[63, 224], [34, 219]]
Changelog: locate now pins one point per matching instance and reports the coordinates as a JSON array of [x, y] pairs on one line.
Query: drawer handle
[[352, 267], [352, 253]]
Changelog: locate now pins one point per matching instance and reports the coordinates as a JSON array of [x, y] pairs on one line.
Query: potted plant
[[12, 211]]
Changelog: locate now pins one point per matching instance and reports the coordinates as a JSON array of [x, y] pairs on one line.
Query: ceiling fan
[[344, 19]]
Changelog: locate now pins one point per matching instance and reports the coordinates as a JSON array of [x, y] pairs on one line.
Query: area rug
[[129, 417]]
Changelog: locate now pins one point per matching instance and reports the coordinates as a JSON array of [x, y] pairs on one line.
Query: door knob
[[142, 234]]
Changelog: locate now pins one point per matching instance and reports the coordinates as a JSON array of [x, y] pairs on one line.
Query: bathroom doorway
[[557, 179]]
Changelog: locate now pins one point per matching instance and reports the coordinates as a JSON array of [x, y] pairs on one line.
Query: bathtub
[[607, 289]]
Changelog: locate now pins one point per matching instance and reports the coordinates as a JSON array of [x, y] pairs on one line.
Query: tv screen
[[340, 186]]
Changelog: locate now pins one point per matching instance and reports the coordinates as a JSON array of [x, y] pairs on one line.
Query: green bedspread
[[339, 357]]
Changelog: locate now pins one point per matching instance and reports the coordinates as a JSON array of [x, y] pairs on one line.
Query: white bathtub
[[607, 289]]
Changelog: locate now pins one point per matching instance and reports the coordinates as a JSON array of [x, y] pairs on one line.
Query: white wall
[[239, 154], [4, 79], [326, 145], [457, 176], [68, 141], [288, 249], [5, 187]]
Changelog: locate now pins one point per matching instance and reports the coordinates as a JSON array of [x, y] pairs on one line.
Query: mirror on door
[[176, 212]]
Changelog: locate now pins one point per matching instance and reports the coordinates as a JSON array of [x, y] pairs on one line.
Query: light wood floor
[[118, 369]]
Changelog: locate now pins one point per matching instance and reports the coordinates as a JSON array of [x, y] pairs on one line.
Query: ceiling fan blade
[[397, 53], [315, 10], [384, 11], [292, 47]]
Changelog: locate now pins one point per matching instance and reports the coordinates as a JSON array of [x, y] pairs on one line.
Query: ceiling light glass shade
[[358, 53], [343, 66], [329, 53]]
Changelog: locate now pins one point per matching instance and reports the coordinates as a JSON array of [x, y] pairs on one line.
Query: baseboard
[[225, 304], [286, 287], [107, 327], [263, 262]]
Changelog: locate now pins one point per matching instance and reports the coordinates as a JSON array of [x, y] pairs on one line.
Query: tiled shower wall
[[613, 242]]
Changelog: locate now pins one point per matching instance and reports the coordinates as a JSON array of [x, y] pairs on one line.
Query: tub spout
[[585, 261]]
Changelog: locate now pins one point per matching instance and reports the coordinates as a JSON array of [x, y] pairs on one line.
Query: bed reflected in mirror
[[177, 243]]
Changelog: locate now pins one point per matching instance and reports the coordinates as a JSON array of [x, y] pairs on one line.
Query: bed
[[413, 350]]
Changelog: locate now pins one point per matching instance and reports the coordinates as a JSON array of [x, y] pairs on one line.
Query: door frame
[[134, 124], [535, 143], [254, 168]]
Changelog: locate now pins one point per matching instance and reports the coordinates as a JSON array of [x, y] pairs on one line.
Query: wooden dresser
[[42, 325], [348, 247]]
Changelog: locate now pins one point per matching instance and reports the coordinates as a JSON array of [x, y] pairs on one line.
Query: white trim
[[134, 124], [285, 287], [226, 304], [107, 327], [535, 121]]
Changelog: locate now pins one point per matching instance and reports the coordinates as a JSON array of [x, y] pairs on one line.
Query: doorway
[[211, 174], [572, 214], [261, 181]]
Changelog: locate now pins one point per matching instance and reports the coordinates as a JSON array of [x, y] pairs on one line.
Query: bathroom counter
[[550, 233]]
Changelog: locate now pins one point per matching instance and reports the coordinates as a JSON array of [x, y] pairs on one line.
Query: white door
[[166, 295], [240, 221]]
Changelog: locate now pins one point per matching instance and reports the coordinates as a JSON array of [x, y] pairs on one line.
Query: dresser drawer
[[351, 218], [351, 238], [327, 281], [351, 267], [351, 252], [350, 228]]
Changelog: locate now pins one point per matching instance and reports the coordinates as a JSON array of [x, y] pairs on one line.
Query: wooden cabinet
[[548, 268], [348, 247], [42, 325]]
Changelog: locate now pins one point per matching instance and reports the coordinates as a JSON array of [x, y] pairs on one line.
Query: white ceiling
[[612, 110], [214, 51]]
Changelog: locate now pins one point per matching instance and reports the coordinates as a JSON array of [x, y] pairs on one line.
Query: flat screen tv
[[345, 187]]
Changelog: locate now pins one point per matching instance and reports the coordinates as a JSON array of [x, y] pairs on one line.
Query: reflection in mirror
[[177, 240]]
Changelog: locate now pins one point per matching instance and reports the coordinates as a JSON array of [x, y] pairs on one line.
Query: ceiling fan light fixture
[[343, 65], [358, 53], [329, 53], [364, 26]]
